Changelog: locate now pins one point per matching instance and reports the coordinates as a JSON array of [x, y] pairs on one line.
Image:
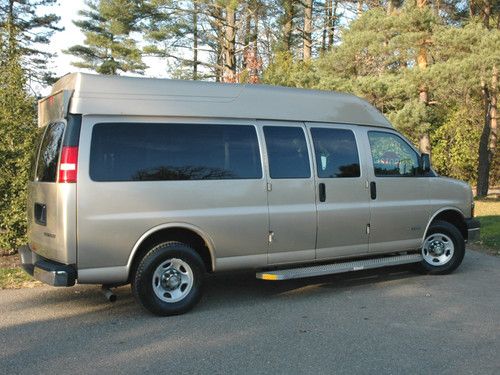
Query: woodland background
[[430, 66]]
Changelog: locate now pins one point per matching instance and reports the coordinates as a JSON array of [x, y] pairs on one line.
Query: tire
[[169, 279], [443, 249]]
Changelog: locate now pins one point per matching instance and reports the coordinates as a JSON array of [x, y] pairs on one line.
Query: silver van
[[157, 182]]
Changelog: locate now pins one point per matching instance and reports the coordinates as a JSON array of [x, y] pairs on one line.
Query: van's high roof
[[114, 95]]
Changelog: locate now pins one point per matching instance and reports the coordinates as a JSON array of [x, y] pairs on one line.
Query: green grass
[[15, 277], [490, 231], [488, 213]]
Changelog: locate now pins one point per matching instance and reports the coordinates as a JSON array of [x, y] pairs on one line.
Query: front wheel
[[169, 279], [443, 249]]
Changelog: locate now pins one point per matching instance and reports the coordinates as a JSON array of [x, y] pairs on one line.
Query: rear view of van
[[52, 198], [155, 183]]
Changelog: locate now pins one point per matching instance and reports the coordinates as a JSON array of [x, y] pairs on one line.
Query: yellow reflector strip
[[269, 276]]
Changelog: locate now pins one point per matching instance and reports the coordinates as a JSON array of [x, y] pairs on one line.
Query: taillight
[[69, 164]]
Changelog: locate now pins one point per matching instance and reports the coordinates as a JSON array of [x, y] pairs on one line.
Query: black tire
[[452, 232], [142, 280]]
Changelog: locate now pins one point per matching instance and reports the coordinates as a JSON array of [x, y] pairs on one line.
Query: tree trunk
[[487, 13], [248, 35], [391, 6], [254, 71], [360, 8], [332, 19], [472, 12], [216, 14], [483, 168], [424, 142], [307, 38], [255, 36], [195, 40], [326, 20], [288, 24], [229, 45], [423, 96], [493, 114], [436, 5], [11, 31]]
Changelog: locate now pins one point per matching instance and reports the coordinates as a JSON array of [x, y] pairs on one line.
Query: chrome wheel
[[172, 280], [438, 249]]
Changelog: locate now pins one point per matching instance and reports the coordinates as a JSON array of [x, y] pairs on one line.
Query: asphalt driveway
[[388, 321]]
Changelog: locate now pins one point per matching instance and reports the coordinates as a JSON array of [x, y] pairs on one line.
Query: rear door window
[[174, 152], [287, 152], [336, 153], [48, 155]]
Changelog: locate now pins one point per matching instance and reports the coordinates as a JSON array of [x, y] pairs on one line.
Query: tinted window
[[287, 152], [392, 156], [336, 153], [34, 156], [48, 156], [156, 152]]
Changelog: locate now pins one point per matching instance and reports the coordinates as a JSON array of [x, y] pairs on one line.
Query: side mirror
[[425, 163]]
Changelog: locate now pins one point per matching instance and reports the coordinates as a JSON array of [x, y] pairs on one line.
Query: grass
[[488, 213], [15, 277]]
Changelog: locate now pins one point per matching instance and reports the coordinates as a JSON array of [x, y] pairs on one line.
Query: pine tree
[[25, 33], [17, 129], [108, 46]]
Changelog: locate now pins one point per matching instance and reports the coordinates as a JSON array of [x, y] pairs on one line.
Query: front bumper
[[473, 230], [45, 270]]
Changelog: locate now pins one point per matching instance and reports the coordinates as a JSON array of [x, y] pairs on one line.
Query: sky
[[68, 11], [61, 64]]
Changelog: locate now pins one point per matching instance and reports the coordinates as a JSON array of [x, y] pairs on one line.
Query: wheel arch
[[182, 232], [451, 215]]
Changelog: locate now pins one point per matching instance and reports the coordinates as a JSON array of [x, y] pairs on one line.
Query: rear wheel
[[169, 279], [443, 249]]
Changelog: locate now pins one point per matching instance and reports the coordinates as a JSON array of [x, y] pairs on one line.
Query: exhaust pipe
[[108, 293]]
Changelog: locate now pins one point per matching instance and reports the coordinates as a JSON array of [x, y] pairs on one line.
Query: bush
[[17, 130], [455, 147]]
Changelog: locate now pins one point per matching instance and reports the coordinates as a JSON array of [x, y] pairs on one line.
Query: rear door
[[342, 195], [49, 213], [291, 195]]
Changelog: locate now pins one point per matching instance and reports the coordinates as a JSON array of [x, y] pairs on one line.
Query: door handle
[[373, 190], [322, 192]]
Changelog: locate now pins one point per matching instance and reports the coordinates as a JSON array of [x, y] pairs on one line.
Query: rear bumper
[[45, 270], [473, 229]]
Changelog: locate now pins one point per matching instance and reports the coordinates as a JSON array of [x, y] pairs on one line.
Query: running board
[[329, 269]]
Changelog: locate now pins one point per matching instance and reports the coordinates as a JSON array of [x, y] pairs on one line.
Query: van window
[[48, 156], [392, 156], [287, 152], [173, 152], [36, 148], [336, 153]]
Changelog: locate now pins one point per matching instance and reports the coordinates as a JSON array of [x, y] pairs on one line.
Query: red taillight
[[69, 164]]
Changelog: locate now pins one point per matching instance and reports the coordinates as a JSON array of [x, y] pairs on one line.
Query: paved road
[[388, 321]]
